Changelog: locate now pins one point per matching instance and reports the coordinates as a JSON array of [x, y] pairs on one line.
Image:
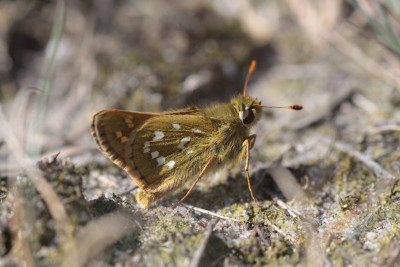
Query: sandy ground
[[326, 178]]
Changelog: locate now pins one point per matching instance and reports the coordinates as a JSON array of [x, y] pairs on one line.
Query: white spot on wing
[[158, 135], [154, 154], [185, 139], [170, 164], [160, 160], [197, 130], [176, 126], [146, 148], [183, 142], [189, 152]]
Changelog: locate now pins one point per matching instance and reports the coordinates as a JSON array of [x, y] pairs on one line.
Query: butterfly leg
[[194, 184], [249, 142], [252, 140]]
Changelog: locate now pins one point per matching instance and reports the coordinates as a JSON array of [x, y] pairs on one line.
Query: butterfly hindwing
[[114, 131], [111, 129]]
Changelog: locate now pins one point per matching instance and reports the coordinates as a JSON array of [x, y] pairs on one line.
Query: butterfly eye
[[249, 115]]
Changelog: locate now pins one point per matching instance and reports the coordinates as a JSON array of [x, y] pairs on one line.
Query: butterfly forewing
[[168, 143]]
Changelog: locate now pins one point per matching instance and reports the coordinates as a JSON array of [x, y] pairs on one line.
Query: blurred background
[[63, 61]]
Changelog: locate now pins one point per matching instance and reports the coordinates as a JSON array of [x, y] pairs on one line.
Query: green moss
[[165, 225], [393, 196], [258, 254], [173, 241]]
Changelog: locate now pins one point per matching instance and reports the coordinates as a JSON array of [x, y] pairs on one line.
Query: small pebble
[[371, 236]]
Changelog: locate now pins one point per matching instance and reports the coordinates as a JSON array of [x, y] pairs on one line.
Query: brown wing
[[112, 129]]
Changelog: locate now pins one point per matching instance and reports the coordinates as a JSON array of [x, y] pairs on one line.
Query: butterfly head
[[248, 109]]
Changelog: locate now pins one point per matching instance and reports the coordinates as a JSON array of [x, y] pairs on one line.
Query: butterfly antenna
[[294, 107], [251, 69]]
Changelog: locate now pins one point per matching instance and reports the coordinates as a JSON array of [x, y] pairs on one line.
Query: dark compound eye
[[249, 115]]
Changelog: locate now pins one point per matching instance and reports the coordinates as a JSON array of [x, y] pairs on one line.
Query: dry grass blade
[[13, 168], [13, 144], [20, 243], [25, 158], [385, 129], [378, 170], [353, 52], [56, 208], [200, 250], [316, 18], [19, 110], [63, 225], [96, 236], [287, 183], [68, 151], [292, 212], [313, 119], [210, 213], [384, 18], [35, 132], [315, 247]]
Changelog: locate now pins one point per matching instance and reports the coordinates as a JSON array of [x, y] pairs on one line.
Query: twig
[[292, 212], [385, 129], [68, 151], [373, 165], [266, 242], [210, 213], [279, 231], [129, 190], [273, 226], [200, 250], [15, 167]]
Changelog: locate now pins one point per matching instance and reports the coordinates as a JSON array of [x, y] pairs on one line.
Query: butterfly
[[162, 151]]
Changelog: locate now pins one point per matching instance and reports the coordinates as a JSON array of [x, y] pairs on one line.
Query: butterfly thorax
[[232, 123]]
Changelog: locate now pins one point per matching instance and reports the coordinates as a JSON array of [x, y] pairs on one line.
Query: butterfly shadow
[[234, 190]]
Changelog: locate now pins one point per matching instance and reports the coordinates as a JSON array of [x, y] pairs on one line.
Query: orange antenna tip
[[252, 66], [251, 69], [294, 107], [297, 107]]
